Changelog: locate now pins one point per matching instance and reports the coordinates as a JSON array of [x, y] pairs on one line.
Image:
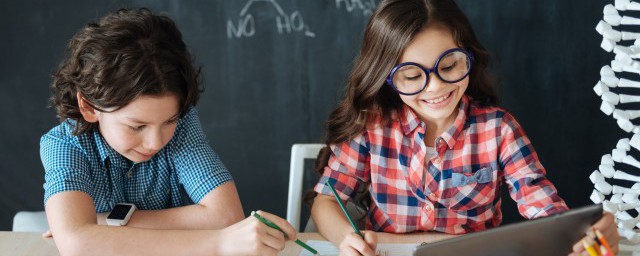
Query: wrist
[[120, 214], [214, 243], [102, 218]]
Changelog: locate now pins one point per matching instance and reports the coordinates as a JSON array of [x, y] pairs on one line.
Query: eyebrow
[[135, 120]]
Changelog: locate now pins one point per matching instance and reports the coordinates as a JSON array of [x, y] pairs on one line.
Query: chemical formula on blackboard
[[286, 23], [366, 6]]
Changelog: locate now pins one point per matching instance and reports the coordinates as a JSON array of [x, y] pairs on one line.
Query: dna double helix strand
[[615, 185]]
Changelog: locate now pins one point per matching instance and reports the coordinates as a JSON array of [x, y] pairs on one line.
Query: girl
[[130, 134], [419, 129]]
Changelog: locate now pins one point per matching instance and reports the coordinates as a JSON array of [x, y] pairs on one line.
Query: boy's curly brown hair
[[124, 55]]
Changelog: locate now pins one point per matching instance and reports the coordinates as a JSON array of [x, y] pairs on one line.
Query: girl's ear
[[89, 113]]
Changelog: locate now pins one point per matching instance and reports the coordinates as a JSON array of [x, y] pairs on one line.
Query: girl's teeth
[[438, 100]]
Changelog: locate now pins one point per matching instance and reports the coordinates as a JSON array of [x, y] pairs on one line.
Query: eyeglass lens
[[451, 68]]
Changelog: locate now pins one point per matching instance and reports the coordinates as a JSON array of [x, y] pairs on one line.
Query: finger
[[578, 247], [349, 251], [277, 234], [359, 244], [371, 238], [47, 234], [608, 233], [281, 223], [615, 236], [267, 250], [272, 242]]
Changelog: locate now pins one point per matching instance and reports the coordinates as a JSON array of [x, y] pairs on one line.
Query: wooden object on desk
[[29, 243]]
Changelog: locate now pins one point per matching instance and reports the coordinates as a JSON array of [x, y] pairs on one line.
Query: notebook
[[326, 248]]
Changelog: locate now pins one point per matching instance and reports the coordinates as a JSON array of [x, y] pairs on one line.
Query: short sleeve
[[199, 168], [65, 165], [347, 169]]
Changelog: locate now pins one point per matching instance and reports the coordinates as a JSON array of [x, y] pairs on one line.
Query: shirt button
[[437, 161], [129, 174], [429, 208]]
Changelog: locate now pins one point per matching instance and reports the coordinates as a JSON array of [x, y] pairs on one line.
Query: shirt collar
[[107, 152], [450, 136], [409, 121]]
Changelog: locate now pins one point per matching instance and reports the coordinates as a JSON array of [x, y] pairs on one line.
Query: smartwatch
[[120, 214]]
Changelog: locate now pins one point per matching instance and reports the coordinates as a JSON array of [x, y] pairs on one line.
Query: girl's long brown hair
[[126, 54], [391, 27]]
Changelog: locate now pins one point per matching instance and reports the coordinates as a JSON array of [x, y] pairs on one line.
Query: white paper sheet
[[327, 248]]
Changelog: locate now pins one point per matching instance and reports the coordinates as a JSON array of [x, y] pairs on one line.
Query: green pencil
[[344, 210], [272, 225]]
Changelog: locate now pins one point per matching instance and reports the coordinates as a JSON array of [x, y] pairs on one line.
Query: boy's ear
[[89, 113]]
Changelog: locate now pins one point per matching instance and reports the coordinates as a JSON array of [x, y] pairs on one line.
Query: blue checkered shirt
[[87, 163]]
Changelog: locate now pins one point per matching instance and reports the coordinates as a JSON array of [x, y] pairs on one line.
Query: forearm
[[414, 237], [92, 239], [218, 209], [330, 219], [186, 217]]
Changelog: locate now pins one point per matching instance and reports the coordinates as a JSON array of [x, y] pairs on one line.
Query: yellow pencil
[[589, 248]]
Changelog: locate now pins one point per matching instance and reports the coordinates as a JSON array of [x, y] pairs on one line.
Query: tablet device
[[552, 235]]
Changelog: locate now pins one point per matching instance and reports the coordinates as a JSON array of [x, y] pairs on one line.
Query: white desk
[[26, 243]]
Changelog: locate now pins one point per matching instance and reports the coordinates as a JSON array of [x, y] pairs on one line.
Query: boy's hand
[[252, 237]]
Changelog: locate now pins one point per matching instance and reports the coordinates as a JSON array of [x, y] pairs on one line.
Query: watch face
[[119, 212]]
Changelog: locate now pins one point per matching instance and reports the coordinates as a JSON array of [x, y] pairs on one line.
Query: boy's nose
[[153, 141]]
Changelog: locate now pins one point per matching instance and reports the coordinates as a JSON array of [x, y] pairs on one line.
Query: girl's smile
[[440, 101]]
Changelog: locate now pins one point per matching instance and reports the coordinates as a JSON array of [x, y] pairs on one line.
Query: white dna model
[[618, 88]]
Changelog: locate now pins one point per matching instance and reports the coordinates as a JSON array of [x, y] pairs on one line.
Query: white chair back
[[30, 222], [299, 152]]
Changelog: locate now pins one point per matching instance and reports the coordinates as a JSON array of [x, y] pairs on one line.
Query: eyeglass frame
[[428, 71]]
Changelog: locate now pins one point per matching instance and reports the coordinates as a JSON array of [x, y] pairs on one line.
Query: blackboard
[[274, 69]]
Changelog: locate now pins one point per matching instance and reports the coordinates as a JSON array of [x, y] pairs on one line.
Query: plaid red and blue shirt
[[456, 191]]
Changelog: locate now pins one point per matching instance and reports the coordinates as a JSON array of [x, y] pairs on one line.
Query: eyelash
[[139, 128], [136, 128]]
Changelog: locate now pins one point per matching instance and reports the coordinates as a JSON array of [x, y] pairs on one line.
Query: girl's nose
[[434, 84]]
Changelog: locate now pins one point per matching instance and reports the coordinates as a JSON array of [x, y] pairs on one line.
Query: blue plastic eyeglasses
[[410, 78]]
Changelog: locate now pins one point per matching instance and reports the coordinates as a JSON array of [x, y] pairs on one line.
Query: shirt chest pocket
[[466, 191]]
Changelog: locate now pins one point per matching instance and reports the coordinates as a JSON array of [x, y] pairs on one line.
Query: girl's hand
[[354, 245], [607, 226], [252, 237]]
